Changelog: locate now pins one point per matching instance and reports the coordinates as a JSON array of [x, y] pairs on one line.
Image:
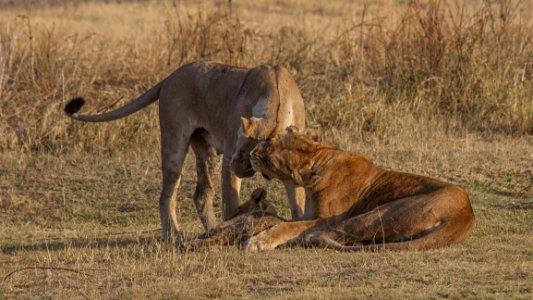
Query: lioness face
[[250, 133], [287, 157], [240, 162]]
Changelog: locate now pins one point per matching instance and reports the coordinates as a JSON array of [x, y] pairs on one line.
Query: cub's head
[[251, 132], [256, 204], [288, 157]]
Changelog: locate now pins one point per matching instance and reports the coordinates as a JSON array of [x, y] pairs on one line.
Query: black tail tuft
[[74, 106]]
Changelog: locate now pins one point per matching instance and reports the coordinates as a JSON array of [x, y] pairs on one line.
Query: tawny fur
[[252, 217], [354, 205], [214, 108]]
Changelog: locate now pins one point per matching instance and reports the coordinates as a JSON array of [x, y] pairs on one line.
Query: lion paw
[[255, 244], [322, 239]]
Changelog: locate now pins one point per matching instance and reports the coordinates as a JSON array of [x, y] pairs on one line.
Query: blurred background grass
[[453, 67]]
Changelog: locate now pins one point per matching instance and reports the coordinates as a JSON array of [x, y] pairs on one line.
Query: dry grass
[[438, 88]]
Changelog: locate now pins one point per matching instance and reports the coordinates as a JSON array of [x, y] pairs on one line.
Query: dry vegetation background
[[438, 88]]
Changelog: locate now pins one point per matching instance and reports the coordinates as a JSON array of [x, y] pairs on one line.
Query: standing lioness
[[353, 204], [214, 108]]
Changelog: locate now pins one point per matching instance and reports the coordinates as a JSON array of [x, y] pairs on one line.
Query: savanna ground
[[443, 89]]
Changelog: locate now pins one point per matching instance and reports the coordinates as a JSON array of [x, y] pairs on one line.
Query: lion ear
[[314, 132], [249, 126]]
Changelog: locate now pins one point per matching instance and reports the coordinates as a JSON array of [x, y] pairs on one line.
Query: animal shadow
[[59, 244]]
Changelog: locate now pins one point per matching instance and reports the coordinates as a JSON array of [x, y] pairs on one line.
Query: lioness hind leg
[[206, 164], [420, 222], [438, 236], [390, 222], [174, 150]]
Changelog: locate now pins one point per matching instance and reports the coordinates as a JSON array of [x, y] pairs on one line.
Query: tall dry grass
[[438, 65]]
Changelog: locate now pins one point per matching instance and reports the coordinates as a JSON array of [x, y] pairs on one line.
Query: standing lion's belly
[[217, 144]]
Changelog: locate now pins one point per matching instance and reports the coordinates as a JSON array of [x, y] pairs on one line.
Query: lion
[[216, 109], [354, 205], [254, 216]]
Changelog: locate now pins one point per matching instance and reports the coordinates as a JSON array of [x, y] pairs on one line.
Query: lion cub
[[252, 217]]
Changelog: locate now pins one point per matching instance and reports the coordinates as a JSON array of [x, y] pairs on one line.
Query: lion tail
[[444, 234], [149, 97]]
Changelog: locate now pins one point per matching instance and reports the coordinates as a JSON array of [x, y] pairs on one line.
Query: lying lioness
[[252, 217], [354, 205], [214, 108]]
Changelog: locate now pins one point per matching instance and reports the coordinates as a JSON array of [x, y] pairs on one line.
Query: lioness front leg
[[296, 196], [231, 186], [206, 164], [280, 234]]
